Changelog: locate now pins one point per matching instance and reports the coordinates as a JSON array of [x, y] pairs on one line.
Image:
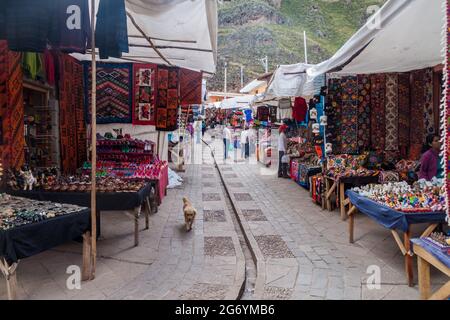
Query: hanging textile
[[114, 92], [49, 65], [333, 111], [428, 104], [70, 26], [299, 109], [26, 24], [32, 65], [144, 98], [377, 116], [391, 109], [403, 113], [417, 129], [167, 99], [349, 126], [364, 112], [11, 108], [111, 33], [71, 117], [190, 87]]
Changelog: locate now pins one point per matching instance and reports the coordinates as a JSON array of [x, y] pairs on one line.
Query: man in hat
[[282, 147]]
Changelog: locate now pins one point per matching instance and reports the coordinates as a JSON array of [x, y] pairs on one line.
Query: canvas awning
[[238, 102], [183, 32], [403, 35]]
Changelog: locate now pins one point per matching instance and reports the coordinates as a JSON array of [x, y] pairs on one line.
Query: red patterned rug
[[190, 87], [377, 117]]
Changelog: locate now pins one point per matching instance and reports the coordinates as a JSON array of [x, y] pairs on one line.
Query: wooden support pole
[[87, 246], [9, 272], [443, 293], [94, 147], [351, 223], [429, 230], [137, 212], [399, 242], [342, 199], [147, 213], [408, 258], [424, 278]]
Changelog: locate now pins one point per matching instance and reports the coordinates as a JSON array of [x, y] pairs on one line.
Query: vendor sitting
[[430, 163]]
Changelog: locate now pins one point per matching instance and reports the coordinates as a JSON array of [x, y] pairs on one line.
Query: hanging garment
[[263, 113], [284, 110], [32, 64], [299, 109], [70, 28], [26, 24], [248, 115], [111, 34], [49, 64]]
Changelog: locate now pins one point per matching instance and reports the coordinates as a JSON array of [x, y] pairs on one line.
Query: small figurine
[[29, 179]]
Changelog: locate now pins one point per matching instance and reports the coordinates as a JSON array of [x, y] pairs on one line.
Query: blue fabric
[[389, 218], [248, 115], [438, 254], [111, 33]]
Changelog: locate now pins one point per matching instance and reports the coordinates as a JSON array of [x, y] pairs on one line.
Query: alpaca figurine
[[29, 180]]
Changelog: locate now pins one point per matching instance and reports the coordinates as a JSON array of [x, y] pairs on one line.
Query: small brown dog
[[189, 213]]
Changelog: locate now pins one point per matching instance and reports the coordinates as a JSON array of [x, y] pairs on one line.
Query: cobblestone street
[[292, 248]]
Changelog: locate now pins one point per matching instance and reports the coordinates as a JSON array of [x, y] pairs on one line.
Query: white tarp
[[190, 24], [291, 81], [252, 86], [408, 38], [238, 102]]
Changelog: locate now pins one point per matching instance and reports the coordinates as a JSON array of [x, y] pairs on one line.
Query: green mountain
[[249, 30]]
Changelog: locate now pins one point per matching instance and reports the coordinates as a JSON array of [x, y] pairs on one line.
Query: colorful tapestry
[[364, 112], [429, 102], [377, 116], [12, 147], [71, 115], [144, 99], [349, 126], [190, 87], [403, 113], [391, 109], [417, 129], [114, 92], [445, 108], [333, 109], [168, 99]]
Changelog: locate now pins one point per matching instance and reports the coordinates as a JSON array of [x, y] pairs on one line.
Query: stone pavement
[[302, 251], [206, 263]]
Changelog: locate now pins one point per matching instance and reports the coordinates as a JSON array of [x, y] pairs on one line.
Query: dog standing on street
[[189, 213]]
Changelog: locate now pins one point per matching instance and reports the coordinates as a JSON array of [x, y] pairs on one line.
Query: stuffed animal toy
[[29, 179]]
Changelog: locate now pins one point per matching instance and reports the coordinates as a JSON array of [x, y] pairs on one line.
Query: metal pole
[[267, 64], [225, 84], [242, 77], [93, 146], [306, 48]]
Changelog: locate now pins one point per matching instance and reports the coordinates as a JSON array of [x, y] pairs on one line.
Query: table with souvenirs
[[112, 194], [397, 206], [433, 250], [28, 227]]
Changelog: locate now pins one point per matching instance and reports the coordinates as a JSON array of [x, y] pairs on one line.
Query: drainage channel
[[250, 263]]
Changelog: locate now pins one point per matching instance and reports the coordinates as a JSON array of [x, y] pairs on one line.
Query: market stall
[[397, 206], [28, 227]]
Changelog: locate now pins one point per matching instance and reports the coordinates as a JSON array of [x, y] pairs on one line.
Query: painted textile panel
[[391, 109], [428, 104], [349, 127], [114, 92], [167, 101], [364, 112], [417, 129], [333, 112], [377, 117], [403, 113], [144, 99], [190, 87]]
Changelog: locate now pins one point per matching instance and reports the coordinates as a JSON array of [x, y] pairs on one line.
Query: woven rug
[[333, 111], [391, 109], [190, 87], [114, 92], [167, 100], [446, 109], [144, 98], [71, 114], [4, 147], [364, 112], [429, 103], [349, 124], [417, 129], [377, 117], [403, 113]]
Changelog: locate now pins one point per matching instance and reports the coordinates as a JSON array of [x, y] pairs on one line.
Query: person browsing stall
[[282, 147], [430, 164], [226, 140]]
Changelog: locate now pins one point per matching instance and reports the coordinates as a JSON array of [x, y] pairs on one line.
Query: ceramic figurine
[[29, 179]]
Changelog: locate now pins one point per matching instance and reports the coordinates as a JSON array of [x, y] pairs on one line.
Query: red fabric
[[167, 99], [299, 109], [163, 181], [190, 87], [11, 108], [49, 67], [144, 95]]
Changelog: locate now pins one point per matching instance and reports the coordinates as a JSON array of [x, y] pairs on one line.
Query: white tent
[[290, 81], [403, 35], [238, 102], [178, 32]]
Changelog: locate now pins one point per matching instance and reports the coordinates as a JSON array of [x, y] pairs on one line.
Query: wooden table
[[403, 244], [424, 260]]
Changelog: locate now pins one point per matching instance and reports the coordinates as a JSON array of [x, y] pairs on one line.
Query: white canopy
[[252, 86], [289, 81], [183, 31], [403, 35], [238, 102]]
